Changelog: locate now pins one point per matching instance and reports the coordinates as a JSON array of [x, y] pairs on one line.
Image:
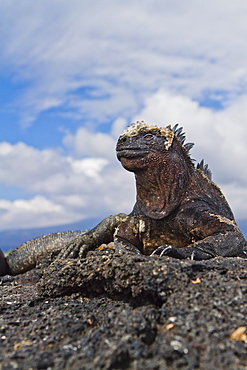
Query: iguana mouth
[[131, 153]]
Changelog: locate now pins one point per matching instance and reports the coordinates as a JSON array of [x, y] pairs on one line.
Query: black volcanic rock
[[126, 311]]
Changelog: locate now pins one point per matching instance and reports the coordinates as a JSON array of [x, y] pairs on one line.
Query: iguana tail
[[25, 257]]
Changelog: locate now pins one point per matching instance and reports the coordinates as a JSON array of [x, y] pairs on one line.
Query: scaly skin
[[25, 257], [179, 211]]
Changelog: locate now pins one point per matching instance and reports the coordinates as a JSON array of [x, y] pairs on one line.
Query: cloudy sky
[[74, 73]]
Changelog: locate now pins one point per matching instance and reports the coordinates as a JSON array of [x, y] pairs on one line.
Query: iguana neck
[[160, 192]]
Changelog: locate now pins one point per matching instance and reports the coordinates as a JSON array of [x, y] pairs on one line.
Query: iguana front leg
[[102, 233]]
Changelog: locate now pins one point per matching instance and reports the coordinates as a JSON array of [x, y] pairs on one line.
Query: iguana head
[[140, 144], [159, 158]]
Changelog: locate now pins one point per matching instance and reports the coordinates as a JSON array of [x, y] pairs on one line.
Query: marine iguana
[[179, 211]]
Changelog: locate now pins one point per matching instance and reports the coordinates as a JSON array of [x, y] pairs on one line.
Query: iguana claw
[[168, 250], [74, 250]]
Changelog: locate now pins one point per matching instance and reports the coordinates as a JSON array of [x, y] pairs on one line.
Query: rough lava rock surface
[[127, 311]]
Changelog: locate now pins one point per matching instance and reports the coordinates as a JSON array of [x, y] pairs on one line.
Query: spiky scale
[[204, 168], [178, 131], [188, 146], [174, 128]]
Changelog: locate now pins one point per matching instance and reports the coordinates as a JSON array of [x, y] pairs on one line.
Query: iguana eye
[[148, 136]]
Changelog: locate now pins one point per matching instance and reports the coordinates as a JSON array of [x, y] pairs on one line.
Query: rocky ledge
[[126, 311]]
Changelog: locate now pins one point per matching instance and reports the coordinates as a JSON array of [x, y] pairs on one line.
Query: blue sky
[[74, 73]]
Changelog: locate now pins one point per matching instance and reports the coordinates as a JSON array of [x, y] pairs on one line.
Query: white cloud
[[118, 126], [90, 143], [64, 189], [26, 166], [121, 52], [35, 212], [89, 166]]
